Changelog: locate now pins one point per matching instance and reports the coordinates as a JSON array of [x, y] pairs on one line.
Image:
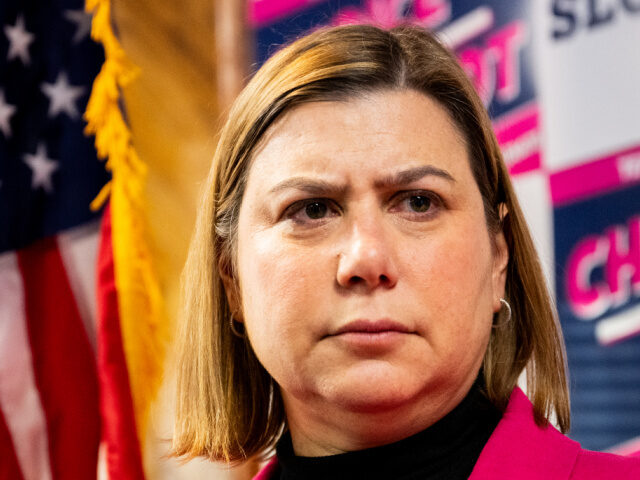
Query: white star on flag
[[42, 168], [19, 41], [6, 111], [82, 21], [62, 96]]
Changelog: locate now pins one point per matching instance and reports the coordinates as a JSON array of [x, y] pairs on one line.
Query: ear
[[231, 289], [500, 261]]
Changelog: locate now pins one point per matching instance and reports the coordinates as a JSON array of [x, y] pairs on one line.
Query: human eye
[[310, 211], [417, 205]]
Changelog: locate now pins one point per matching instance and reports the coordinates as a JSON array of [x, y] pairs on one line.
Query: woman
[[362, 292]]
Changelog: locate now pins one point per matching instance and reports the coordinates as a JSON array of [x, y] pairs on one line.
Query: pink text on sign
[[617, 252]]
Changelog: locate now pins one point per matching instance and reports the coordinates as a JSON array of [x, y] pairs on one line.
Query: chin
[[374, 390]]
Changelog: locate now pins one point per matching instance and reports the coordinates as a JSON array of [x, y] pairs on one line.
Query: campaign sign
[[492, 40], [597, 246], [585, 215], [587, 77]]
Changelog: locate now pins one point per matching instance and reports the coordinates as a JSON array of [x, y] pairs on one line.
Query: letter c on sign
[[587, 301]]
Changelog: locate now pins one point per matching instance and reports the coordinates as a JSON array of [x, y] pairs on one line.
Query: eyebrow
[[320, 187], [411, 175], [309, 185]]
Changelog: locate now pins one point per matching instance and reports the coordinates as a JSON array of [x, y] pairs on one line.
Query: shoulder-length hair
[[228, 407]]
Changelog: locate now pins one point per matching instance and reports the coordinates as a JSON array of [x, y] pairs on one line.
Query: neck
[[321, 429], [448, 449]]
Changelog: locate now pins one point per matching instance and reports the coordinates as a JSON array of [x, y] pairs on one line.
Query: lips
[[371, 338], [372, 327]]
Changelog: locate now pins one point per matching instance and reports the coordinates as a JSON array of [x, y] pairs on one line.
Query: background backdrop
[[86, 386]]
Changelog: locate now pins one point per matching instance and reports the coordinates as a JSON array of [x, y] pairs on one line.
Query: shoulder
[[268, 471], [596, 465], [521, 449]]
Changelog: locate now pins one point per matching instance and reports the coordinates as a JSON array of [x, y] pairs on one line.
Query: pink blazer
[[519, 449]]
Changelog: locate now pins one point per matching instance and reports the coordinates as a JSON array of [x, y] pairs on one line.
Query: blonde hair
[[228, 407]]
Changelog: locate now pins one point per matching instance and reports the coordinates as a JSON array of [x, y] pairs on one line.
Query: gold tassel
[[142, 317]]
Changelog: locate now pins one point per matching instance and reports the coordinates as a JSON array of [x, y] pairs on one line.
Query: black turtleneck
[[446, 450]]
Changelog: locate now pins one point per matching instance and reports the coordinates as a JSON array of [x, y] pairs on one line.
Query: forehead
[[359, 138]]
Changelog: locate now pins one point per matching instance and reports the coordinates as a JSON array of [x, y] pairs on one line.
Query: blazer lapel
[[520, 449]]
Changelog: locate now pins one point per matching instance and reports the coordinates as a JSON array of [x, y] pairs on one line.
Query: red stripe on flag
[[124, 459], [63, 362], [9, 466]]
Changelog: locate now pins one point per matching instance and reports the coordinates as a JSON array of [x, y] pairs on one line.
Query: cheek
[[453, 265], [280, 288], [451, 275]]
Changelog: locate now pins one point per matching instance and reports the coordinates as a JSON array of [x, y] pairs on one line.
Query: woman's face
[[368, 277]]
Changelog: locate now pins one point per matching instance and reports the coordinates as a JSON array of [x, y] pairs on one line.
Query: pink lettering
[[618, 253], [432, 13], [506, 45], [587, 301], [384, 13], [349, 16], [389, 13], [623, 261], [478, 66]]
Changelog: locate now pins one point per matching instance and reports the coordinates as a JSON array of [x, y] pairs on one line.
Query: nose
[[367, 258]]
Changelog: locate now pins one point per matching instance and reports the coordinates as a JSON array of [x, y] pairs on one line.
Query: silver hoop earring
[[503, 302], [233, 329]]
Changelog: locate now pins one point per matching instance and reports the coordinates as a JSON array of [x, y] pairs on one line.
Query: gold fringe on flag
[[142, 316]]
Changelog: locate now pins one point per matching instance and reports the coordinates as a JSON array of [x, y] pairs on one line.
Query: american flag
[[49, 173]]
